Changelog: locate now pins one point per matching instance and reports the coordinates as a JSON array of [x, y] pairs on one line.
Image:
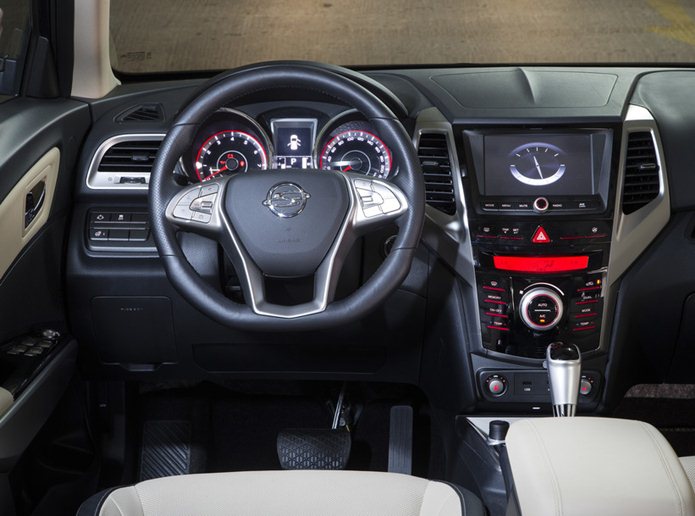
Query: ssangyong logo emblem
[[286, 200]]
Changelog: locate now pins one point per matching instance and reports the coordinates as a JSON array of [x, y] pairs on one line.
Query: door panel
[[40, 142]]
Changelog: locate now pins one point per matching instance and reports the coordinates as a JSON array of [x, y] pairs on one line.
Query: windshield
[[180, 35]]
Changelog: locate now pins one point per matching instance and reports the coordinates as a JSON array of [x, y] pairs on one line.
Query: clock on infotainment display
[[537, 163]]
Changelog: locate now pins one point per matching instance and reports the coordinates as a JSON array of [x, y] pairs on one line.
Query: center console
[[540, 219]]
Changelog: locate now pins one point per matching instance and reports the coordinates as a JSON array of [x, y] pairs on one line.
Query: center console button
[[541, 308], [541, 205], [585, 387], [496, 384], [540, 236]]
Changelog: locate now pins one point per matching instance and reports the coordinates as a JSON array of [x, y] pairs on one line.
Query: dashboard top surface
[[466, 98]]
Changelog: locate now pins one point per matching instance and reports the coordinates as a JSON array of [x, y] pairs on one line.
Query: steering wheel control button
[[183, 206], [209, 189], [541, 308], [390, 202], [540, 236], [496, 385], [204, 204], [541, 205], [183, 212], [205, 218]]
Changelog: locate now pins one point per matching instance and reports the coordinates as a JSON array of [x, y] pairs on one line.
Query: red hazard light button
[[540, 236]]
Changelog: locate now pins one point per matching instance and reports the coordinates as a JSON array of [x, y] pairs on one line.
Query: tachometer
[[227, 152], [357, 151]]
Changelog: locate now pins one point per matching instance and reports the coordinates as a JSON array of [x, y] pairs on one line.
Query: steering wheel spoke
[[197, 208], [376, 202]]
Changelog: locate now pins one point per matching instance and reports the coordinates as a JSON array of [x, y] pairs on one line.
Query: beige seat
[[688, 464], [286, 493]]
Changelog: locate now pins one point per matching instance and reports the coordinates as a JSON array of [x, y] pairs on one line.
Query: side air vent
[[124, 161], [130, 156], [641, 172], [142, 113], [435, 161]]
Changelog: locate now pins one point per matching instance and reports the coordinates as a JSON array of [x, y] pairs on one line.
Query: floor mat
[[233, 431], [166, 449]]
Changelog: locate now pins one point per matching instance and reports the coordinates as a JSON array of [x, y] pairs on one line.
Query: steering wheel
[[286, 223]]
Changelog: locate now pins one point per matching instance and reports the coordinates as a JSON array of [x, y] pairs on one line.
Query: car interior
[[294, 287]]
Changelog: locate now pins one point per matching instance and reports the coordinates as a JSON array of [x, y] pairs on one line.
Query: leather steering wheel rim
[[225, 91]]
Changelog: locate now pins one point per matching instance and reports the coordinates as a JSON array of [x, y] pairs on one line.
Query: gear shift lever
[[564, 363]]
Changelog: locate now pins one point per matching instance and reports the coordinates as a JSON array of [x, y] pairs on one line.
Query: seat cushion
[[286, 493]]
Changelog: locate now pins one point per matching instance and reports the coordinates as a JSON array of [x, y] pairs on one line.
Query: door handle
[[34, 202]]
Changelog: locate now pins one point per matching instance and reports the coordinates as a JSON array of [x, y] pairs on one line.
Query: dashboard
[[551, 195]]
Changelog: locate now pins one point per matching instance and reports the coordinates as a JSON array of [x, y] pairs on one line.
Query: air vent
[[130, 157], [435, 161], [641, 172], [142, 113]]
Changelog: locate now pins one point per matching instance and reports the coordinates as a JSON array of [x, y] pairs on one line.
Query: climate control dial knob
[[541, 308]]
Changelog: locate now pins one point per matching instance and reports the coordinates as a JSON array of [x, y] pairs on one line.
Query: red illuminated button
[[496, 385], [585, 387], [540, 236]]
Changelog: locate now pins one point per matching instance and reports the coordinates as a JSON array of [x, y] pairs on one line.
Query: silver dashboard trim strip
[[633, 233], [455, 227], [97, 180]]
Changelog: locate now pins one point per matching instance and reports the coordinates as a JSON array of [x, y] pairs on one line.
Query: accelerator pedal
[[314, 448], [166, 449], [401, 439]]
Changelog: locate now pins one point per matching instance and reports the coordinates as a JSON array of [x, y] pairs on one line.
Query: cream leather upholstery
[[579, 466], [688, 464], [289, 493]]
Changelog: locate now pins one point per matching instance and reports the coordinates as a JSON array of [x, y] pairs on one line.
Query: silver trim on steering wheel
[[199, 209]]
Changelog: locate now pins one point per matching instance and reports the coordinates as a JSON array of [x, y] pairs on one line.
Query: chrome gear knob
[[564, 363]]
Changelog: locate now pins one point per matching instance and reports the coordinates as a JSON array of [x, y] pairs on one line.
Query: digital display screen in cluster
[[294, 142]]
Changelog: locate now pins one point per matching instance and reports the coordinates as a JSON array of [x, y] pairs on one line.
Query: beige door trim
[[14, 236]]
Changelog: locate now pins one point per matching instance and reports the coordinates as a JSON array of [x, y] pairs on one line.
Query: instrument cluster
[[233, 142]]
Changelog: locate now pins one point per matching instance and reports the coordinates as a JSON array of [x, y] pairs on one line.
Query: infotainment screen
[[540, 164]]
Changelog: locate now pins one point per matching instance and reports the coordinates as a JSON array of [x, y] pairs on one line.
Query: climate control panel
[[520, 315]]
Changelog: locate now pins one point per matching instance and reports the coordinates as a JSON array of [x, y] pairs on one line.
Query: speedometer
[[356, 151], [227, 152]]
